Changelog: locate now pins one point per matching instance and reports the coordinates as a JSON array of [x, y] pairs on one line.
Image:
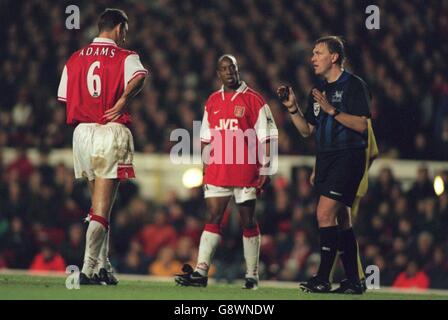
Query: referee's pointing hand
[[286, 91]]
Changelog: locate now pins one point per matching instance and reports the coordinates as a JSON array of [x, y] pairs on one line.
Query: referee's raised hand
[[287, 97]]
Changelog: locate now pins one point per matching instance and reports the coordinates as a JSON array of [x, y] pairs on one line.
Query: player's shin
[[349, 253], [251, 246], [328, 249], [96, 232], [103, 258], [210, 239], [335, 263]]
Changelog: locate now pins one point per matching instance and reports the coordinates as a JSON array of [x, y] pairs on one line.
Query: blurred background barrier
[[156, 174]]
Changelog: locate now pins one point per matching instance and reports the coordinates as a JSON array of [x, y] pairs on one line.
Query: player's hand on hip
[[263, 181], [287, 97], [115, 112], [321, 99]]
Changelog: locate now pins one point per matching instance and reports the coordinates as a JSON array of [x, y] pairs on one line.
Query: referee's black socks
[[348, 248], [328, 250]]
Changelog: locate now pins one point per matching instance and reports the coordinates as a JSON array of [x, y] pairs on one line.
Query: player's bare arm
[[205, 145], [313, 174], [294, 110], [264, 179], [357, 123], [133, 88]]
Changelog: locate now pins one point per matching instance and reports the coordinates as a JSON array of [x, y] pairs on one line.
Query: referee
[[338, 112]]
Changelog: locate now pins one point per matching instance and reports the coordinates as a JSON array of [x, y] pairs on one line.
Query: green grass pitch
[[27, 287]]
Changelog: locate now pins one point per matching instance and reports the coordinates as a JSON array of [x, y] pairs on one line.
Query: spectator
[[19, 247], [73, 247], [422, 187], [156, 235], [166, 263], [184, 250], [298, 256], [48, 259], [438, 269], [412, 278], [133, 262], [21, 167]]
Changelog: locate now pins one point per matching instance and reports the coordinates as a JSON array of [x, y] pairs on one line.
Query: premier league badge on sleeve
[[239, 111], [316, 107], [337, 96]]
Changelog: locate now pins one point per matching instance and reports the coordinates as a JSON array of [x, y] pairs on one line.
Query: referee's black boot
[[363, 285], [315, 285], [350, 287]]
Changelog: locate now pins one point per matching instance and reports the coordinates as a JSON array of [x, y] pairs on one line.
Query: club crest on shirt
[[316, 108], [239, 111]]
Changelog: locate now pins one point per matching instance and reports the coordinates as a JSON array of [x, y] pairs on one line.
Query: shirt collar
[[99, 40], [242, 88], [342, 77]]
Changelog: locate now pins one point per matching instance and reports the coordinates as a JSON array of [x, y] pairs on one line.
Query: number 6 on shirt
[[94, 80]]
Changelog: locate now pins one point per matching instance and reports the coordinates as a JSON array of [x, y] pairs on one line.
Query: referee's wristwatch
[[336, 111]]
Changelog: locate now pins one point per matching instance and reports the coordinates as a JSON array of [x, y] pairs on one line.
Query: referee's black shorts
[[339, 173]]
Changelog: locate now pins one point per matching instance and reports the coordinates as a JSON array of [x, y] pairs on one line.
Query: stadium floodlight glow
[[192, 178], [439, 185]]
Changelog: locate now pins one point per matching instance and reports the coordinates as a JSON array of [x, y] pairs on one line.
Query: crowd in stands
[[42, 207], [404, 64]]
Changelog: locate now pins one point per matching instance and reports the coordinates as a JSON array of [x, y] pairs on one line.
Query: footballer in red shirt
[[236, 133], [97, 84]]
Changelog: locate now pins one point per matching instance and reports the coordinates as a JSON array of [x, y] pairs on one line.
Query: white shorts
[[241, 194], [103, 151]]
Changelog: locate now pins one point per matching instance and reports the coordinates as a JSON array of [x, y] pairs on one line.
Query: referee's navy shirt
[[349, 94]]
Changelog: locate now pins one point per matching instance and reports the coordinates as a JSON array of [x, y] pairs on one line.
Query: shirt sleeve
[[358, 102], [309, 113], [265, 126], [205, 133], [132, 68], [62, 90]]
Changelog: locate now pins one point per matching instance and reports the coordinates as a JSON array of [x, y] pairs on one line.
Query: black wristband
[[336, 112]]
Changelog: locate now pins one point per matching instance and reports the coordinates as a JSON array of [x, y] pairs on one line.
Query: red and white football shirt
[[243, 111], [94, 78]]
